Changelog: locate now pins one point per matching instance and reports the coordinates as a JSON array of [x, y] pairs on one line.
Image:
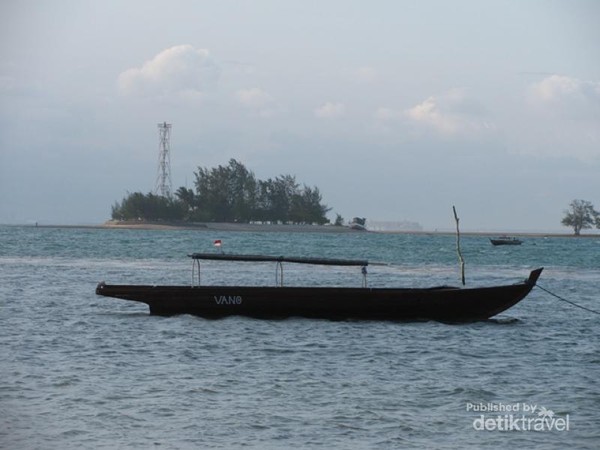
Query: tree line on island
[[232, 193], [229, 193]]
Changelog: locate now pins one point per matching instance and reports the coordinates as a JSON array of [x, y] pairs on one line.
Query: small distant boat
[[505, 240], [359, 224], [441, 303]]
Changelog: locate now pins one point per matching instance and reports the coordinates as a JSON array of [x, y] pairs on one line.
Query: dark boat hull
[[446, 304], [506, 241]]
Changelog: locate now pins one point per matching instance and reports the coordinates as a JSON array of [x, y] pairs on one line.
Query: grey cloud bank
[[396, 110]]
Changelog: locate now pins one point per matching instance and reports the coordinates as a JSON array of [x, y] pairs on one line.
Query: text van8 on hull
[[228, 299]]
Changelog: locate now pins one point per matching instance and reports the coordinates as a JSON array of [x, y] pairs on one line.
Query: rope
[[567, 301]]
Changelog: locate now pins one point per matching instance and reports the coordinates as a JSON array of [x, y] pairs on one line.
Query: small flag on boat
[[218, 243]]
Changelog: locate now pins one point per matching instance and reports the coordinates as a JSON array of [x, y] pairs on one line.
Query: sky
[[396, 110]]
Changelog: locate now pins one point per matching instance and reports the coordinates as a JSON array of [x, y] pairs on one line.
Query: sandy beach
[[224, 226]]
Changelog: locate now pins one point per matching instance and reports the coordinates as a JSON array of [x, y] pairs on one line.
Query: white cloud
[[330, 110], [254, 97], [450, 114], [257, 100], [181, 71], [429, 112], [555, 87], [563, 119], [567, 95]]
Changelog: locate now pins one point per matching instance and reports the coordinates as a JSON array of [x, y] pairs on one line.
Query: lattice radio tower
[[163, 174]]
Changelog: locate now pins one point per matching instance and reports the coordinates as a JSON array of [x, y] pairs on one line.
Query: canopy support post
[[194, 262], [279, 274]]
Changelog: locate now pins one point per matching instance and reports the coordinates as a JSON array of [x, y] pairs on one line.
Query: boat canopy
[[279, 259]]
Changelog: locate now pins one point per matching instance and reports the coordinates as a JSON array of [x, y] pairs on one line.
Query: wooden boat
[[443, 303], [505, 240]]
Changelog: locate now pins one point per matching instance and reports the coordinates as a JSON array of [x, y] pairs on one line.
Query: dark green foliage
[[138, 206], [229, 194], [581, 215], [224, 194]]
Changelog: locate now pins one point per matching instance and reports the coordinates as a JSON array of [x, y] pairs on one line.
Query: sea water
[[82, 371]]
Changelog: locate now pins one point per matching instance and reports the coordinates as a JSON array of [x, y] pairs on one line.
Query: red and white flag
[[218, 243]]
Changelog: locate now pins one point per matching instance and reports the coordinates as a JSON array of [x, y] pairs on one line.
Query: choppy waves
[[80, 371]]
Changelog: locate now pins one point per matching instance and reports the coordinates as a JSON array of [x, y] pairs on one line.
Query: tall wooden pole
[[460, 256]]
